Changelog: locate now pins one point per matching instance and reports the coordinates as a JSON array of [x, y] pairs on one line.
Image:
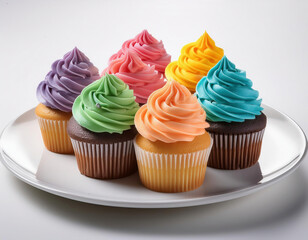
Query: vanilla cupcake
[[172, 147], [102, 129], [139, 76], [233, 109], [57, 92], [196, 59]]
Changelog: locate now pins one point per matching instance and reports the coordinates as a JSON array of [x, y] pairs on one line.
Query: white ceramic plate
[[24, 154]]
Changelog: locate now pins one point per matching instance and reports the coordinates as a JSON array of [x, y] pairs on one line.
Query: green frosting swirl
[[106, 105]]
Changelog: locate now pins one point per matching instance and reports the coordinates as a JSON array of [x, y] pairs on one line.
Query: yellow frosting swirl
[[195, 61]]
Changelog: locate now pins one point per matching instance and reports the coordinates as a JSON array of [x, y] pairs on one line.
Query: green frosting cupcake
[[106, 105]]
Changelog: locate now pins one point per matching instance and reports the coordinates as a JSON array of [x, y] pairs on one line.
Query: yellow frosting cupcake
[[196, 59]]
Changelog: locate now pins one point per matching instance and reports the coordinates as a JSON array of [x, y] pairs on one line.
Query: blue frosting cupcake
[[234, 112]]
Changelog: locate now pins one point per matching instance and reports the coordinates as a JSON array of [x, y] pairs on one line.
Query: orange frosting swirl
[[171, 114], [196, 59]]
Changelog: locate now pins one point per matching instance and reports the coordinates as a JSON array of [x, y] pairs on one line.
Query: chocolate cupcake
[[102, 129], [234, 112]]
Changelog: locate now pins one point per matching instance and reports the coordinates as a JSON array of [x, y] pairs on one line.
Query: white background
[[266, 38]]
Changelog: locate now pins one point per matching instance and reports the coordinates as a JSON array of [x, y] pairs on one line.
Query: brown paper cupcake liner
[[54, 133], [105, 161], [235, 151], [172, 172]]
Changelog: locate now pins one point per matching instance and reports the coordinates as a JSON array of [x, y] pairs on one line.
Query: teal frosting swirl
[[106, 105], [227, 95]]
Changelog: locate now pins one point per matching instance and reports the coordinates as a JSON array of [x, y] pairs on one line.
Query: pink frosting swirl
[[149, 49], [139, 76]]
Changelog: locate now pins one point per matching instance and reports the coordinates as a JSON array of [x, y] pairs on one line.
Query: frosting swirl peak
[[65, 81], [149, 49], [196, 59], [227, 95], [140, 77], [106, 105], [171, 114]]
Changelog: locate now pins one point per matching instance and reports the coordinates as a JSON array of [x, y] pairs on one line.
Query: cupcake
[[172, 147], [56, 94], [195, 61], [140, 77], [234, 112], [149, 49], [102, 129]]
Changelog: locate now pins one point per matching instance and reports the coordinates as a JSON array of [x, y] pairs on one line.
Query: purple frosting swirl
[[65, 81]]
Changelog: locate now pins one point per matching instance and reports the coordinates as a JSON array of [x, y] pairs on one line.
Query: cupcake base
[[103, 155], [53, 125], [172, 172], [236, 145], [235, 151], [105, 161]]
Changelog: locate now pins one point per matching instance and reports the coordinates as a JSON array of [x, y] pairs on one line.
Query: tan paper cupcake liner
[[54, 133], [172, 172], [235, 151], [105, 161]]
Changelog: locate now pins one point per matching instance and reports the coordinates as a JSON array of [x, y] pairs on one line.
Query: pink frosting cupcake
[[139, 76], [149, 49]]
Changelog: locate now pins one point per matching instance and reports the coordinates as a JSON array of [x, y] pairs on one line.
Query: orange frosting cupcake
[[172, 147], [172, 114]]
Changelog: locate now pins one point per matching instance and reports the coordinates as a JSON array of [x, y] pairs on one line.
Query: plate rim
[[30, 179]]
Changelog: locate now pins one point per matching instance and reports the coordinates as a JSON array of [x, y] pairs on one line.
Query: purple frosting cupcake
[[65, 81], [57, 93]]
